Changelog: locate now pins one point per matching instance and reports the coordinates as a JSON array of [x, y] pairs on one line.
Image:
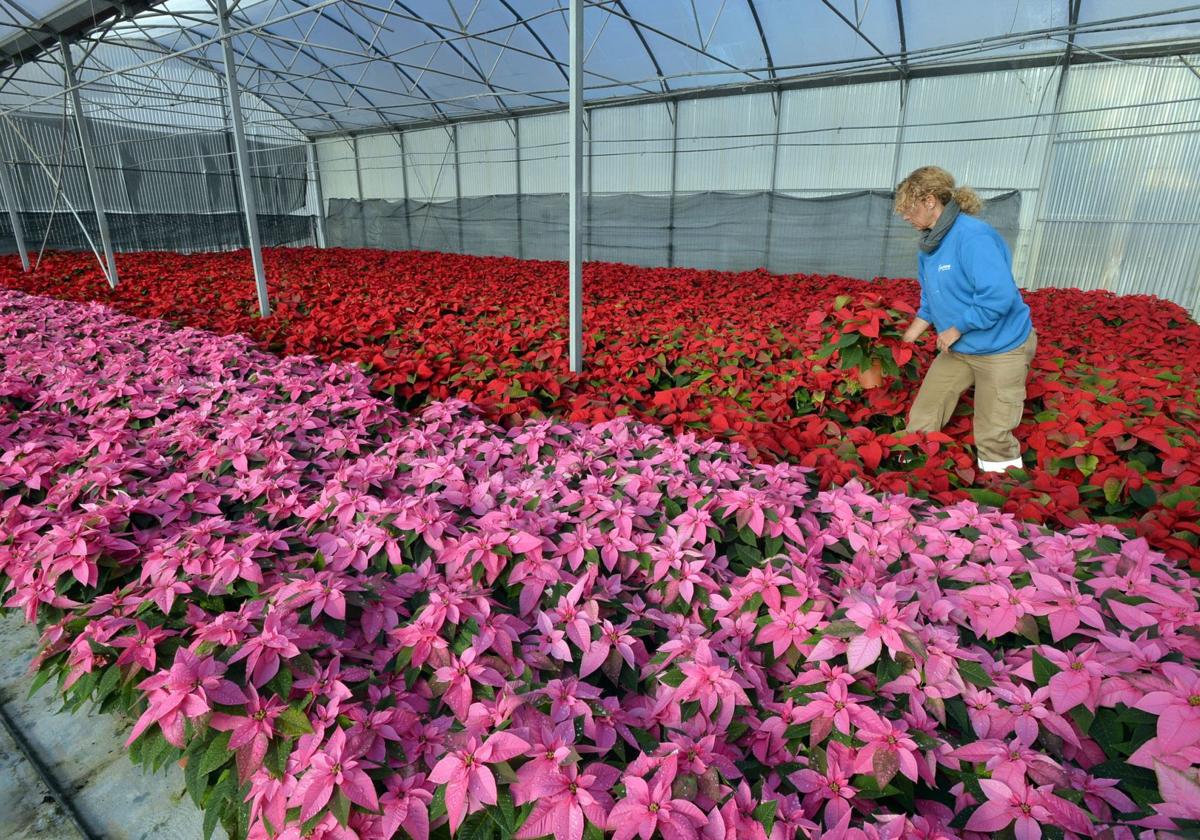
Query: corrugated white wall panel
[[544, 154], [382, 166], [1122, 209], [335, 156], [632, 148], [430, 160], [831, 140], [712, 155], [488, 158], [992, 154]]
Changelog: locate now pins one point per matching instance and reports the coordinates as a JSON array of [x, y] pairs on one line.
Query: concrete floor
[[85, 754]]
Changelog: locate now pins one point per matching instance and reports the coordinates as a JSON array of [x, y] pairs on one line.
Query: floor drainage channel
[[66, 776]]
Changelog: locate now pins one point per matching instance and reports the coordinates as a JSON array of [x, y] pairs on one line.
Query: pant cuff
[[1000, 466]]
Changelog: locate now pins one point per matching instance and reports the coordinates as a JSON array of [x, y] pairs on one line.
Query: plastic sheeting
[[162, 190], [854, 234]]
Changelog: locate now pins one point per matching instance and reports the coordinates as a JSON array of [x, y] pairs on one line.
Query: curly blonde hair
[[935, 181]]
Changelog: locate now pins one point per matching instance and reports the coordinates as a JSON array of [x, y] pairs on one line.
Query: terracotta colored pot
[[872, 377]]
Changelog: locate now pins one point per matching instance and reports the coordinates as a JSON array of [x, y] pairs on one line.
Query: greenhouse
[[696, 419]]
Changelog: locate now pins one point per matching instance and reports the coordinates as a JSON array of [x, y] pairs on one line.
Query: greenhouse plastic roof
[[332, 66]]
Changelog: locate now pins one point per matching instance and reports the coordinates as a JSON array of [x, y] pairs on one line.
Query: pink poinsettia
[[185, 690], [413, 585], [334, 767], [469, 783], [566, 798], [250, 733], [1011, 803], [649, 807]]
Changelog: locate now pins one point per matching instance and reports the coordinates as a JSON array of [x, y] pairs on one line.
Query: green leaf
[[842, 628], [673, 678], [293, 723], [222, 794], [339, 806], [1125, 773], [277, 756], [281, 684], [973, 672], [509, 810], [194, 781], [986, 497], [217, 753], [437, 806], [1083, 718], [591, 832], [1144, 496], [745, 554], [110, 680], [478, 826], [212, 815], [1108, 732], [1043, 669], [886, 671], [957, 710], [764, 813], [39, 680]]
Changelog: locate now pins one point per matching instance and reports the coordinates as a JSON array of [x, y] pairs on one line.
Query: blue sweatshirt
[[967, 283]]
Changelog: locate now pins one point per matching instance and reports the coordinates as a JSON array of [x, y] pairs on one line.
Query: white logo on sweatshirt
[[945, 267]]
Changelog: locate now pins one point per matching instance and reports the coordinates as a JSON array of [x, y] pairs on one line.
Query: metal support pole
[[896, 157], [231, 156], [314, 168], [243, 160], [407, 195], [589, 185], [458, 205], [674, 170], [520, 226], [10, 200], [362, 201], [89, 161], [777, 101], [575, 195], [1039, 232]]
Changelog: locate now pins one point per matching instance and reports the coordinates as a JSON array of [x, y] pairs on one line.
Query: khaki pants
[[999, 382]]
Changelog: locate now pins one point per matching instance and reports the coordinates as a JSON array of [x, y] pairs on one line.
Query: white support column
[[517, 154], [89, 161], [362, 201], [575, 195], [249, 200], [314, 168], [408, 199], [674, 107], [10, 200], [777, 102]]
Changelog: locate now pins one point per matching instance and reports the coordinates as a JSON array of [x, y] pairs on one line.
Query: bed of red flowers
[[765, 360]]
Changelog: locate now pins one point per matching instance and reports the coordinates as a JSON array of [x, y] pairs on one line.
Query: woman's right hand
[[916, 329]]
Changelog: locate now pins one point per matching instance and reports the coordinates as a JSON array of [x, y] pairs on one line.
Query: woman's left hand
[[946, 339]]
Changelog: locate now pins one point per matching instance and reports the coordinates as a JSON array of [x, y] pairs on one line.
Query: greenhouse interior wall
[[1100, 192]]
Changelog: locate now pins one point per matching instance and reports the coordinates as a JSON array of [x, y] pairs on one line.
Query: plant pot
[[872, 377]]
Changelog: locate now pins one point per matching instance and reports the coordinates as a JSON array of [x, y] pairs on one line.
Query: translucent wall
[[1103, 195]]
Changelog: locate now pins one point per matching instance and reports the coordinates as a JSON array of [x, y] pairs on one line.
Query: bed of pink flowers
[[353, 623]]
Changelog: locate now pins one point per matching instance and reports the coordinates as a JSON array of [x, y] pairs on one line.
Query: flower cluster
[[354, 622], [1112, 428]]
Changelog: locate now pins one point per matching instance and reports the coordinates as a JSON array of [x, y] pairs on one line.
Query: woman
[[985, 336]]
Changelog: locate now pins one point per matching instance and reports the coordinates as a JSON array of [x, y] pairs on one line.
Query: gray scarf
[[932, 237]]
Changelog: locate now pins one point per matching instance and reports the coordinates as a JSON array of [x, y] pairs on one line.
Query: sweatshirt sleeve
[[923, 311], [995, 290]]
